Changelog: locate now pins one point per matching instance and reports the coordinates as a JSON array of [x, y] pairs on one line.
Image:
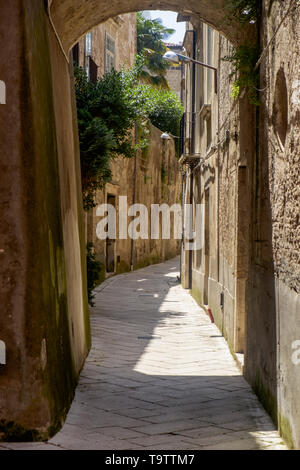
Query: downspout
[[134, 191], [218, 193], [193, 92]]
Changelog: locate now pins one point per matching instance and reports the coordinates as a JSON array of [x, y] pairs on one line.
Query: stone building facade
[[109, 45], [113, 45], [152, 177], [240, 163], [175, 72]]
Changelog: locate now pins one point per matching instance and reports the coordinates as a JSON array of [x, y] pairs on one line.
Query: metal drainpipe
[[218, 194], [191, 251], [134, 191], [193, 91]]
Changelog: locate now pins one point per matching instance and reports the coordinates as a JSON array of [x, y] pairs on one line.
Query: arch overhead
[[73, 18]]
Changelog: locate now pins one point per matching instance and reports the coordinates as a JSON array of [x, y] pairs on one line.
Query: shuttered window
[[93, 72], [88, 44]]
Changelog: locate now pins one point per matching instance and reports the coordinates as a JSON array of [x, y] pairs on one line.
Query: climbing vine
[[243, 60], [246, 55], [244, 11]]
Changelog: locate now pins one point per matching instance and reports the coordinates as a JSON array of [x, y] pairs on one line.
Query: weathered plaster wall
[[68, 157], [123, 31], [174, 77], [43, 356], [220, 184]]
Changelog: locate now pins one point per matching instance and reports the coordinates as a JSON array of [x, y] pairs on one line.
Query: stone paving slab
[[159, 376]]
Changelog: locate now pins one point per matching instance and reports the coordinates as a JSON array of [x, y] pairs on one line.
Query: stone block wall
[[157, 180], [274, 300]]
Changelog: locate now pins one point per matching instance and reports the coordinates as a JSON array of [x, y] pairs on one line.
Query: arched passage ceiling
[[73, 18]]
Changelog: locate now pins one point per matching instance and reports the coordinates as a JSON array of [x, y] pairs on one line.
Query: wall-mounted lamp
[[178, 58], [165, 136], [168, 136]]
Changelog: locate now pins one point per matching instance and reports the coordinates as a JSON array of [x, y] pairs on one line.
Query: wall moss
[[147, 261], [285, 430], [197, 294], [267, 399], [52, 383]]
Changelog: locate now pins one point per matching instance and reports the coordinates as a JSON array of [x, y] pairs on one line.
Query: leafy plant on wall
[[243, 60], [246, 55]]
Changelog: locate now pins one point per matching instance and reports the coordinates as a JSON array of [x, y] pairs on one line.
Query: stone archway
[[73, 18], [46, 326]]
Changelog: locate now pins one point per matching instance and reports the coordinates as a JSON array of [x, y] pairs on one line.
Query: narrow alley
[[159, 376]]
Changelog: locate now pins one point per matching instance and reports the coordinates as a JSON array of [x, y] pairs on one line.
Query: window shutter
[[93, 72], [75, 51]]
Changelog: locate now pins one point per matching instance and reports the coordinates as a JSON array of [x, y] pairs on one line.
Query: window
[[88, 44], [109, 53], [88, 53]]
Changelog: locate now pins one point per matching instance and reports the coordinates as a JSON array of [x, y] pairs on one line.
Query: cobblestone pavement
[[159, 376]]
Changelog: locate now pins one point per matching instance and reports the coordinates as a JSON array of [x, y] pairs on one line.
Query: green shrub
[[246, 55], [105, 121]]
